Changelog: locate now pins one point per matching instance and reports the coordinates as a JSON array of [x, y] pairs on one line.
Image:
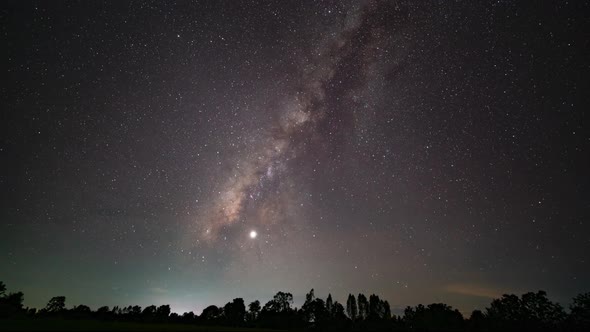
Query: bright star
[[253, 234]]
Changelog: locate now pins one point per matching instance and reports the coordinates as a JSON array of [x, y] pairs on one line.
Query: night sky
[[188, 153]]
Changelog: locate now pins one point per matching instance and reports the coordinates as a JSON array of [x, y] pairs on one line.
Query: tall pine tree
[[351, 308], [329, 305], [363, 306]]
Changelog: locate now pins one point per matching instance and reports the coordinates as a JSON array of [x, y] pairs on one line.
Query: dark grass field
[[95, 325]]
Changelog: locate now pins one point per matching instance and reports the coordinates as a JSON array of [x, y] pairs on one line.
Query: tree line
[[529, 312]]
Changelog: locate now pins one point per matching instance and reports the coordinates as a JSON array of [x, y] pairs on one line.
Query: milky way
[[252, 194], [423, 151]]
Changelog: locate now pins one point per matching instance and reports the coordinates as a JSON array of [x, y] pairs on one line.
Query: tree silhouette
[[163, 311], [277, 313], [10, 304], [56, 304], [531, 311], [309, 297], [281, 302], [363, 307], [580, 312], [135, 311], [212, 312], [538, 308], [253, 310], [115, 310], [436, 316], [79, 312], [378, 309], [318, 311], [329, 304], [188, 317], [338, 311], [351, 308], [386, 310], [15, 300], [314, 309], [235, 311], [149, 311], [476, 320], [333, 319], [103, 312], [81, 309]]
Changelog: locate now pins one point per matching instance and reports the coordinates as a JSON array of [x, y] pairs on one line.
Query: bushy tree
[[103, 312], [116, 310], [163, 311], [531, 311], [338, 311], [281, 302], [277, 313], [12, 303], [188, 317], [212, 312], [378, 309], [149, 311], [476, 320], [81, 309], [579, 317], [253, 310], [538, 308], [135, 311], [436, 316], [56, 304], [235, 311], [314, 309], [15, 300]]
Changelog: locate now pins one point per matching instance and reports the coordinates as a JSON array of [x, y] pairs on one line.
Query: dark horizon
[[532, 311], [187, 153], [395, 311]]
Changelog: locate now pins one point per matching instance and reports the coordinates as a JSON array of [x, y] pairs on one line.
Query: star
[[407, 140]]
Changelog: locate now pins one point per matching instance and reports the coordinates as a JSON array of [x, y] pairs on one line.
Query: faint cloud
[[475, 290], [158, 290]]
